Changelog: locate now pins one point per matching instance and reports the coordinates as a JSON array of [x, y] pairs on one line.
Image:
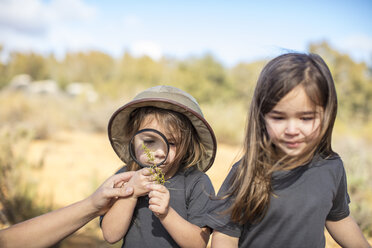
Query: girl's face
[[168, 168], [293, 123]]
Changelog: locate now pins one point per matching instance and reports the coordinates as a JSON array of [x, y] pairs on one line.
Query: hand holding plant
[[159, 200], [139, 181]]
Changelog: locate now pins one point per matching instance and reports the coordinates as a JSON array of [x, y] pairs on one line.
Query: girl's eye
[[172, 143], [310, 118], [148, 142], [278, 118]]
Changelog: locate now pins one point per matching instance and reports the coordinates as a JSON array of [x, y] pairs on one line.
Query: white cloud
[[132, 21], [358, 42], [70, 39], [35, 16], [42, 26], [71, 10], [148, 48], [358, 46], [23, 16]]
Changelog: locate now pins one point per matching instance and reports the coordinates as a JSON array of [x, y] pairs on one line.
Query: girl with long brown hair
[[289, 183]]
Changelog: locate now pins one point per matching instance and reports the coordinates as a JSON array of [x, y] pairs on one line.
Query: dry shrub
[[18, 188], [227, 121], [41, 115], [357, 159], [44, 115]]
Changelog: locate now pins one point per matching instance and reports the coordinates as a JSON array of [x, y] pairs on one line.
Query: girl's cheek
[[314, 134], [143, 159], [268, 130], [172, 154], [271, 132], [314, 130]]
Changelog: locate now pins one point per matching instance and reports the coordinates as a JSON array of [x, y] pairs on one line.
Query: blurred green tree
[[353, 82], [4, 78], [28, 63], [204, 78], [92, 67], [243, 78]]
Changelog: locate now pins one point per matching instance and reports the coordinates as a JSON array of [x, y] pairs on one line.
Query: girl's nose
[[159, 155], [291, 128]]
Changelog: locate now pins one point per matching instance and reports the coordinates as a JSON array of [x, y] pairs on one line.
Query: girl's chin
[[290, 152]]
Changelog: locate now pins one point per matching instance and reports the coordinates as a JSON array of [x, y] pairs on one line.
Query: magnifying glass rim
[[131, 152]]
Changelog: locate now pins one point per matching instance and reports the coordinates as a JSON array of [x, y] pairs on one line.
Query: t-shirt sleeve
[[340, 207], [218, 218], [199, 194]]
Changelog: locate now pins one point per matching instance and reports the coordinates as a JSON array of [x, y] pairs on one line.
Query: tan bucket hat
[[165, 97]]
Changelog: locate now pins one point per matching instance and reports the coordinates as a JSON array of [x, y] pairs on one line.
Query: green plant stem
[[155, 171]]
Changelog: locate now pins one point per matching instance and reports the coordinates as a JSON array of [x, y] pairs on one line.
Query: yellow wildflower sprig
[[155, 171]]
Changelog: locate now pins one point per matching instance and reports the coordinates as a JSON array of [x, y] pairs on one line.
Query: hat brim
[[119, 142]]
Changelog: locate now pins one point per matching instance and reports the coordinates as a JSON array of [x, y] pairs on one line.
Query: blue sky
[[233, 31]]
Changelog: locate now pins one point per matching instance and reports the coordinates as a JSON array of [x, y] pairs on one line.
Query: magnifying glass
[[149, 147]]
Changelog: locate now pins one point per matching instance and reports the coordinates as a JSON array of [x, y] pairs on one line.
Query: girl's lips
[[292, 144]]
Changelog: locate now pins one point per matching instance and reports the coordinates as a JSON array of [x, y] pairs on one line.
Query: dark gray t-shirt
[[304, 198], [190, 192]]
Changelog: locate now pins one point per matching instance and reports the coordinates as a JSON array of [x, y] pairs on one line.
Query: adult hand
[[47, 229], [113, 188]]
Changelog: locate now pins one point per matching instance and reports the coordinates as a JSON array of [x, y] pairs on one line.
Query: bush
[[18, 191], [358, 166], [227, 121]]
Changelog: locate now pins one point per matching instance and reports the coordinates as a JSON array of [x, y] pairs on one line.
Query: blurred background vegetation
[[41, 96]]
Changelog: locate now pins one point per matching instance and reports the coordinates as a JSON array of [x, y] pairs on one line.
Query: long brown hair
[[251, 184], [189, 148]]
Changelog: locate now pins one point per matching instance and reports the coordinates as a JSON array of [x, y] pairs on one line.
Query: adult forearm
[[48, 229], [181, 230]]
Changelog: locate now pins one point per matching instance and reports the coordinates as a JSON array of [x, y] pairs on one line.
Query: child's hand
[[139, 181], [159, 200]]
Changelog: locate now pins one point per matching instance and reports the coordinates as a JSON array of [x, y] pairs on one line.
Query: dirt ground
[[75, 164]]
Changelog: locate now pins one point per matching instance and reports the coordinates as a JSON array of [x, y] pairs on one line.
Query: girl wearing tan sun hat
[[168, 212]]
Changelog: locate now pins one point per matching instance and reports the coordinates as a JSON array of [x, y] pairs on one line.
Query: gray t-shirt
[[304, 198], [190, 192]]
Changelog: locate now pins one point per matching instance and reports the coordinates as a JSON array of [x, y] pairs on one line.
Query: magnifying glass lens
[[149, 148]]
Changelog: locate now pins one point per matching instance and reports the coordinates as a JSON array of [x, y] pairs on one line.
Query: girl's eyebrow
[[301, 112], [275, 112], [309, 112]]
